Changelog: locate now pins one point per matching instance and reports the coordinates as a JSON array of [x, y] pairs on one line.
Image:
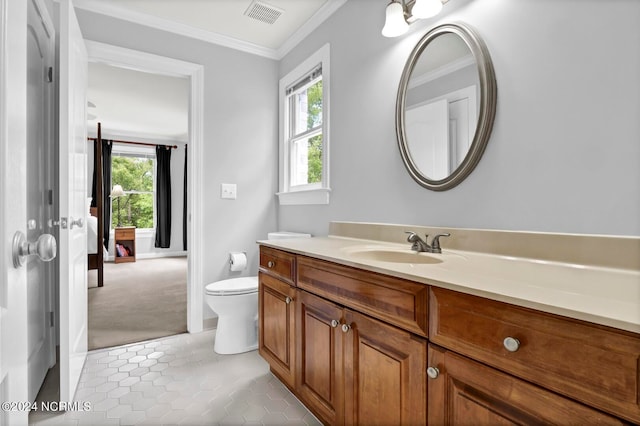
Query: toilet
[[235, 301]]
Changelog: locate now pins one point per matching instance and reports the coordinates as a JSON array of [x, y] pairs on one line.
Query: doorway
[[127, 58], [145, 62]]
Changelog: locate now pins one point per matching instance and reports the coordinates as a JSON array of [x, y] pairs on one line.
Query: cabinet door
[[320, 382], [277, 324], [385, 373], [466, 392]]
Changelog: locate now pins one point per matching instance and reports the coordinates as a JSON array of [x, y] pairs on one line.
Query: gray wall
[[564, 155], [240, 136]]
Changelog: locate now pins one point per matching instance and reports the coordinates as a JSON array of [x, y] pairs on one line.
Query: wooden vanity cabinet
[[462, 391], [354, 369], [276, 313], [352, 346]]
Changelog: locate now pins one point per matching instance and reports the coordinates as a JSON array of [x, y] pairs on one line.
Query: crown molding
[[212, 37], [329, 8]]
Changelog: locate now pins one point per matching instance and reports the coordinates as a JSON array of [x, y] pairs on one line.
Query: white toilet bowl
[[236, 302]]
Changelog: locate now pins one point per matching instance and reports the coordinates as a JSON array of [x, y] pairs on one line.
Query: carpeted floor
[[141, 300]]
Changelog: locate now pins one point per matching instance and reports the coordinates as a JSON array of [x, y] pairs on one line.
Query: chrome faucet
[[421, 245]]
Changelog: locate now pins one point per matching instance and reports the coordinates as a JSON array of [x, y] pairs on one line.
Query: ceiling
[[224, 21], [129, 101]]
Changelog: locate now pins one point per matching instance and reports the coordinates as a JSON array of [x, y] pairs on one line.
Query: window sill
[[307, 197]]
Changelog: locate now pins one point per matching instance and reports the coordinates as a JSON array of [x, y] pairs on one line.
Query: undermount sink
[[394, 256]]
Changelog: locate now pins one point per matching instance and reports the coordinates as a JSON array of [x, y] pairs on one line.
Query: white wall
[[564, 155], [240, 136]]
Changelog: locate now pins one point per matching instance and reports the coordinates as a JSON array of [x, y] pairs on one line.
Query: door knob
[[45, 248], [76, 222]]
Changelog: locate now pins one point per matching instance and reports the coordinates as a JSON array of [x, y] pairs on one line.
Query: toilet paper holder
[[237, 260]]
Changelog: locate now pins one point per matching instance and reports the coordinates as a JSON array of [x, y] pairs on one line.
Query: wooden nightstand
[[125, 244]]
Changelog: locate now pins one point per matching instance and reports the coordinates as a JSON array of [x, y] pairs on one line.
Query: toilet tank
[[284, 234]]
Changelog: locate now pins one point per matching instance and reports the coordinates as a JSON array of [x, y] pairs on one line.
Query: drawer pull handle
[[334, 323], [346, 328], [511, 344], [288, 300], [433, 372], [271, 264]]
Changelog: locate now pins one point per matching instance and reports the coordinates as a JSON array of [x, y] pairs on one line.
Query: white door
[[73, 211], [40, 44], [13, 207]]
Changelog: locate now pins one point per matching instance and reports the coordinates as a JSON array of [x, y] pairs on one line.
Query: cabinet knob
[[288, 300], [511, 344], [433, 372], [346, 328], [334, 323], [271, 264]]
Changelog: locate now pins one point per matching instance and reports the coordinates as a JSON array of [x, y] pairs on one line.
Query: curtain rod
[[136, 143]]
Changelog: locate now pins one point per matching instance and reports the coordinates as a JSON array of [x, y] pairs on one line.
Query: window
[[134, 170], [304, 112]]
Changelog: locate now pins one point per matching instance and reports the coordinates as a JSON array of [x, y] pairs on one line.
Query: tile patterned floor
[[179, 380]]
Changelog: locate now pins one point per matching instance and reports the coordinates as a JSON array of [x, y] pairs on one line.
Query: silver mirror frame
[[488, 99]]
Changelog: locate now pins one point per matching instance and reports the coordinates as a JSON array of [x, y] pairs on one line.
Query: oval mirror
[[446, 105]]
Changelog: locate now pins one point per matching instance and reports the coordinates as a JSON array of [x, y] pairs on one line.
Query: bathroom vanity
[[365, 331]]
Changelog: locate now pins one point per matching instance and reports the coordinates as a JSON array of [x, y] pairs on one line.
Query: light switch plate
[[228, 191]]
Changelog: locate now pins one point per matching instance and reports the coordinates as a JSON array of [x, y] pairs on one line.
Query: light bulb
[[395, 24], [426, 8]]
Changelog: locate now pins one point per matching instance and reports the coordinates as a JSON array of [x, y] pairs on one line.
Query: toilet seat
[[233, 287]]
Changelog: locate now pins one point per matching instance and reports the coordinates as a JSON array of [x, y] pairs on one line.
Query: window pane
[[134, 174], [308, 108], [135, 210], [306, 160]]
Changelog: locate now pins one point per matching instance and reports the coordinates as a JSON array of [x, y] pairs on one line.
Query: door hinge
[[50, 197], [50, 74], [51, 319]]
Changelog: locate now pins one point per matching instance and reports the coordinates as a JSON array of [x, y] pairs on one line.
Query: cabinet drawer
[[396, 301], [277, 263], [591, 363], [125, 234], [463, 389]]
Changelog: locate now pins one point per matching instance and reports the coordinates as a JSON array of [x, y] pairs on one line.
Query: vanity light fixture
[[398, 17]]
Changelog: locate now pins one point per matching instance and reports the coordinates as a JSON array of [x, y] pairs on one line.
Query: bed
[[95, 220]]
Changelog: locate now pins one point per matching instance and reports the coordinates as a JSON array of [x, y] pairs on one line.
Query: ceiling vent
[[263, 12]]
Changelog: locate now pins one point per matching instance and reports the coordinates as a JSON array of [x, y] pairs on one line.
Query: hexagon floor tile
[[178, 380]]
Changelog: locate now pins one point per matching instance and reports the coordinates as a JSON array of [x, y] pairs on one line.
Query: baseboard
[[180, 253], [142, 256]]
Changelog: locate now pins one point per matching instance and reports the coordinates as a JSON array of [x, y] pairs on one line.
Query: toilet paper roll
[[237, 261]]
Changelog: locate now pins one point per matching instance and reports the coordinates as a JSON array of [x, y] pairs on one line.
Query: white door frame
[[142, 61]]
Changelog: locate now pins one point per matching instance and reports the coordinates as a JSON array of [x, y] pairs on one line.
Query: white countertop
[[606, 296]]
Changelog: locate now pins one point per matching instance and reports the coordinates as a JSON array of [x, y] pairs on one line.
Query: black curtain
[[163, 196], [94, 202], [106, 182], [184, 203]]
